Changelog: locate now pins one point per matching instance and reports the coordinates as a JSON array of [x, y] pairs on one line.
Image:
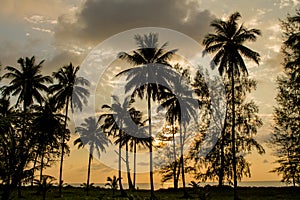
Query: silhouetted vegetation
[[229, 49], [285, 138], [34, 115]]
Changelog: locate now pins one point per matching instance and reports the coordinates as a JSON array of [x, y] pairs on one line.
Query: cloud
[[37, 19], [98, 20], [287, 3], [42, 30], [62, 58], [15, 8]]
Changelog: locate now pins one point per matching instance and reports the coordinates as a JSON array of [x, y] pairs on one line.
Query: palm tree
[[181, 107], [228, 45], [138, 139], [70, 90], [91, 135], [135, 136], [113, 126], [7, 118], [112, 183], [150, 69], [45, 183], [47, 126], [28, 84]]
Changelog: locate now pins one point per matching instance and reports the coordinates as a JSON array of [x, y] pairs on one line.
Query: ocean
[[146, 186]]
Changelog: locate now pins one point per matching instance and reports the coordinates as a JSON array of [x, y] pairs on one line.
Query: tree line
[[34, 131]]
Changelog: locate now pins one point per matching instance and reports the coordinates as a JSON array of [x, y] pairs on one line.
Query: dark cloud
[[62, 58], [100, 19]]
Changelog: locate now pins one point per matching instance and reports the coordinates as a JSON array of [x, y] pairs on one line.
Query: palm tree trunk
[[178, 172], [42, 166], [34, 165], [175, 182], [40, 189], [294, 182], [181, 160], [89, 172], [221, 172], [222, 158], [44, 192], [120, 164], [150, 144], [6, 191], [20, 189], [62, 150], [21, 144], [233, 137], [128, 168], [134, 164]]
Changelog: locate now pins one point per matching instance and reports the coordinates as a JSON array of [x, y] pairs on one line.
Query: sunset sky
[[63, 31]]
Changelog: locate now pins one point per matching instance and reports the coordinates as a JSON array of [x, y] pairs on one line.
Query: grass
[[211, 193]]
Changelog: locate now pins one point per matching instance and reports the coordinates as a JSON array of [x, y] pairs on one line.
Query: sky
[[64, 31]]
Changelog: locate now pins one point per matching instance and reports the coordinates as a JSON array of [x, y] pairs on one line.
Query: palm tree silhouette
[[135, 136], [112, 183], [47, 125], [181, 107], [149, 73], [8, 148], [227, 44], [113, 126], [70, 90], [28, 84], [91, 134], [139, 139]]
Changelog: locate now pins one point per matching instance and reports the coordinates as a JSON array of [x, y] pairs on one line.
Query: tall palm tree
[[138, 139], [69, 90], [228, 45], [91, 134], [181, 107], [113, 125], [28, 84], [134, 136], [150, 63], [47, 125]]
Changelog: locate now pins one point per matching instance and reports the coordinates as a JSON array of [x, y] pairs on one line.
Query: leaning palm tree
[[91, 134], [69, 90], [228, 45], [151, 70]]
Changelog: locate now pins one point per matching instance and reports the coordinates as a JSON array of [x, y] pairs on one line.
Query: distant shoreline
[[146, 186]]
